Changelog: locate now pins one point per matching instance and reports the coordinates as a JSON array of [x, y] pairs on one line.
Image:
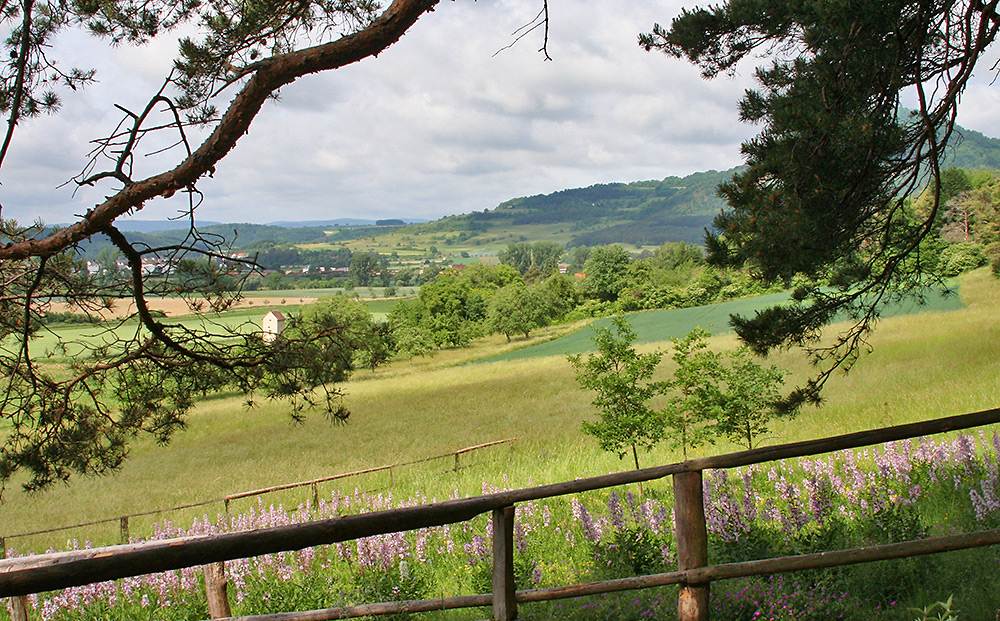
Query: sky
[[442, 123]]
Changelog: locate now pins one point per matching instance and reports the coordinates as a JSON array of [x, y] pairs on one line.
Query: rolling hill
[[638, 213]]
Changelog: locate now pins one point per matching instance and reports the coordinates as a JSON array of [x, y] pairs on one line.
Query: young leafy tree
[[696, 400], [454, 309], [750, 400], [559, 294], [517, 255], [623, 381], [408, 321], [413, 340], [365, 266], [824, 191]]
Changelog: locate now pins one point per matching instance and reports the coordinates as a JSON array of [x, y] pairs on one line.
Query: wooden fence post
[[504, 604], [692, 544], [216, 591], [124, 529], [18, 607]]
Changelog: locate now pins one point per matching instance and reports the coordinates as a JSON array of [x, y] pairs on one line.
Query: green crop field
[[926, 365], [662, 325]]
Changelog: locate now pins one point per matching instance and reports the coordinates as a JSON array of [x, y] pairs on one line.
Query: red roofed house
[[273, 324]]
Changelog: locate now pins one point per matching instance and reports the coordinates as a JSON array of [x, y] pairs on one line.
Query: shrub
[[959, 258]]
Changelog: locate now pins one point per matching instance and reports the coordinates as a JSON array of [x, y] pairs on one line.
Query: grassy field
[[922, 366], [247, 317]]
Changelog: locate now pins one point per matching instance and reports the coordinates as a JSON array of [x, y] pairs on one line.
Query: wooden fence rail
[[22, 576], [124, 520]]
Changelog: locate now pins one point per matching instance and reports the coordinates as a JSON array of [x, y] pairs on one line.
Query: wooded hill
[[638, 213]]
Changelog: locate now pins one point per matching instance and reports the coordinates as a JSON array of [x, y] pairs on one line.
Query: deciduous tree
[[516, 309], [606, 269], [364, 267], [623, 381], [750, 398], [696, 401]]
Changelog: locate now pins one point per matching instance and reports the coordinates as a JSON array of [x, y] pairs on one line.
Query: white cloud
[[438, 124]]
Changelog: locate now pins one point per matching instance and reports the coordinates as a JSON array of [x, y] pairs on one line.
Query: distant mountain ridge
[[974, 150], [641, 213]]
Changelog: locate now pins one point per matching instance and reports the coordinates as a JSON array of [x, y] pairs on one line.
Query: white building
[[273, 324]]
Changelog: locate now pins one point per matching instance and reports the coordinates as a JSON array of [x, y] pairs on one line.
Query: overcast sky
[[439, 124]]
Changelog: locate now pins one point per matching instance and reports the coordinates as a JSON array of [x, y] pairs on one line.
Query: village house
[[273, 324]]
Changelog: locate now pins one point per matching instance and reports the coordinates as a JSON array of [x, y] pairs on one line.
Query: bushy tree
[[750, 398], [413, 340], [960, 257], [516, 309], [454, 311], [623, 382], [542, 257], [489, 278], [713, 395], [410, 331], [606, 270], [560, 295], [365, 266]]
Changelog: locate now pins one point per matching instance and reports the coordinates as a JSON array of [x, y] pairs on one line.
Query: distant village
[[156, 266]]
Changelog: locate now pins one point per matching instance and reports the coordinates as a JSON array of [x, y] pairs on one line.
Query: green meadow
[[74, 337], [938, 362]]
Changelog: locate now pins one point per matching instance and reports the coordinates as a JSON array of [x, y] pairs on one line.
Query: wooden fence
[[124, 521], [23, 576]]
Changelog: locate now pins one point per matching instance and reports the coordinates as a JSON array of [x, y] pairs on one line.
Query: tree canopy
[[823, 198]]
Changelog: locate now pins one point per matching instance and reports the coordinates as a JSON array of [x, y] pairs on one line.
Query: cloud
[[443, 122]]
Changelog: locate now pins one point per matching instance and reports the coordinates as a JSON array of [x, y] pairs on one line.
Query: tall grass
[[922, 366]]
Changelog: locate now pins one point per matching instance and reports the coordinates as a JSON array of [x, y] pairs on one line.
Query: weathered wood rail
[[124, 521], [22, 576]]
